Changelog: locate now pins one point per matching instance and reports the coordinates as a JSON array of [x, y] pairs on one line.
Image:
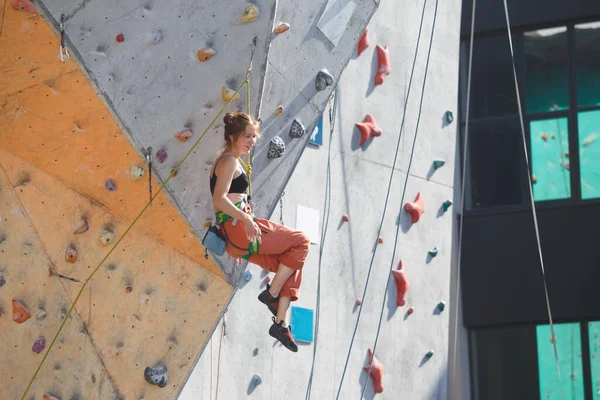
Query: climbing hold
[[429, 354], [70, 255], [345, 218], [438, 164], [23, 5], [20, 312], [110, 185], [297, 129], [136, 172], [380, 240], [256, 380], [247, 275], [128, 289], [441, 306], [446, 205], [255, 352], [228, 94], [184, 135], [41, 314], [383, 64], [49, 397], [281, 28], [376, 372], [251, 14], [206, 54], [402, 285], [358, 301], [433, 252], [267, 279], [106, 238], [2, 282], [363, 43], [278, 111], [544, 136], [553, 136], [161, 156], [410, 310], [157, 36], [534, 178], [324, 79], [156, 375], [448, 117], [276, 147], [368, 128], [416, 208], [39, 345], [174, 172], [120, 38], [567, 154], [83, 227]]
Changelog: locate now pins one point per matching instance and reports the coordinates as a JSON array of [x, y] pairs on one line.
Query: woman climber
[[273, 247]]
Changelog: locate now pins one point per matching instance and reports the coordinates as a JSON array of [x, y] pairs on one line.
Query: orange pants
[[279, 245]]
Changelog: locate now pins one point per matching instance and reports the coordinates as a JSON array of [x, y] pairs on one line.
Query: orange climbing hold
[[281, 28], [376, 372], [416, 208], [368, 128], [71, 255], [206, 54], [402, 285], [20, 312], [184, 135], [23, 5], [363, 43], [383, 64]]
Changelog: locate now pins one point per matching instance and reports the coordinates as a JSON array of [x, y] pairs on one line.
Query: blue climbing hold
[[256, 380], [247, 275]]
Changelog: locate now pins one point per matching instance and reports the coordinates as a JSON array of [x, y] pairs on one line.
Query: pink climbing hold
[[161, 156], [402, 285], [376, 372], [410, 310], [120, 38], [544, 136], [368, 128], [20, 312], [363, 43], [267, 279], [23, 5], [345, 218], [358, 301], [39, 345], [383, 64], [416, 208]]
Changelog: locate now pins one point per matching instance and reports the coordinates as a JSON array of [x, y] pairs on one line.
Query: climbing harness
[[387, 197], [64, 52], [131, 225]]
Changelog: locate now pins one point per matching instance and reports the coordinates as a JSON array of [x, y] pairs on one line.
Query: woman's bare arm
[[225, 171]]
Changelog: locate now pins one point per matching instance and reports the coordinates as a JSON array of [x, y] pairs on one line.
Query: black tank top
[[238, 185]]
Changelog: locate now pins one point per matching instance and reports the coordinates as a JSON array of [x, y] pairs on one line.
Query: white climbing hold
[[136, 172], [276, 147], [297, 129]]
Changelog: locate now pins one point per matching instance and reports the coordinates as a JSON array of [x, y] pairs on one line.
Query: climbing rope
[[219, 358], [172, 174], [534, 212], [412, 152], [325, 219], [386, 197]]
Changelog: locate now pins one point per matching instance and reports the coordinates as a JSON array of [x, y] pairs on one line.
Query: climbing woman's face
[[247, 140]]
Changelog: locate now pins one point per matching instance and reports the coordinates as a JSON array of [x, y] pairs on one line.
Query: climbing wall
[[71, 189], [415, 336]]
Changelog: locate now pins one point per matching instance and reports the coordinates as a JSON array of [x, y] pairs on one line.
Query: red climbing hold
[[363, 43], [380, 240], [368, 128], [120, 38], [49, 397], [544, 136], [358, 301], [416, 208], [20, 312], [23, 5], [383, 64], [345, 218], [376, 372], [402, 285], [267, 279], [410, 310]]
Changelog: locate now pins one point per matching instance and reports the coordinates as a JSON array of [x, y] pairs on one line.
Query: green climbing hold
[[449, 117], [429, 354], [433, 252], [441, 306], [438, 164], [446, 205]]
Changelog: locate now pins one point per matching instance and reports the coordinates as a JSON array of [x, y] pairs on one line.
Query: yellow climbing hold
[[278, 111], [251, 14], [106, 238], [282, 27], [227, 94]]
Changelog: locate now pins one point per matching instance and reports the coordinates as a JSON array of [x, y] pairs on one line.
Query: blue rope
[[403, 194], [386, 197]]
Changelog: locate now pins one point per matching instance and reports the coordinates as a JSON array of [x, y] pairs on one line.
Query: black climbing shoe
[[271, 302], [284, 335]]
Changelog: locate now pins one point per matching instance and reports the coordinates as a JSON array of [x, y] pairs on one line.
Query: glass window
[[589, 153], [549, 141], [587, 62], [492, 86], [496, 163], [547, 70], [568, 345], [593, 330]]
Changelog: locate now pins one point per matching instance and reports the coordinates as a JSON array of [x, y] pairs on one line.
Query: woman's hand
[[253, 232]]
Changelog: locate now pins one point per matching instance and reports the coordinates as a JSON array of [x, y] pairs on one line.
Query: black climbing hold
[[297, 129], [276, 147], [156, 375], [324, 79], [110, 185]]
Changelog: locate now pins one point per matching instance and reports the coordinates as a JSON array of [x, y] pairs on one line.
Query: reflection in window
[[547, 71], [497, 166], [568, 345], [593, 330], [587, 62], [493, 86], [589, 153], [550, 159]]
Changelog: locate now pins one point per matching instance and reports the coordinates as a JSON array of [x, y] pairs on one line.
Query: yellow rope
[[174, 172], [248, 165]]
